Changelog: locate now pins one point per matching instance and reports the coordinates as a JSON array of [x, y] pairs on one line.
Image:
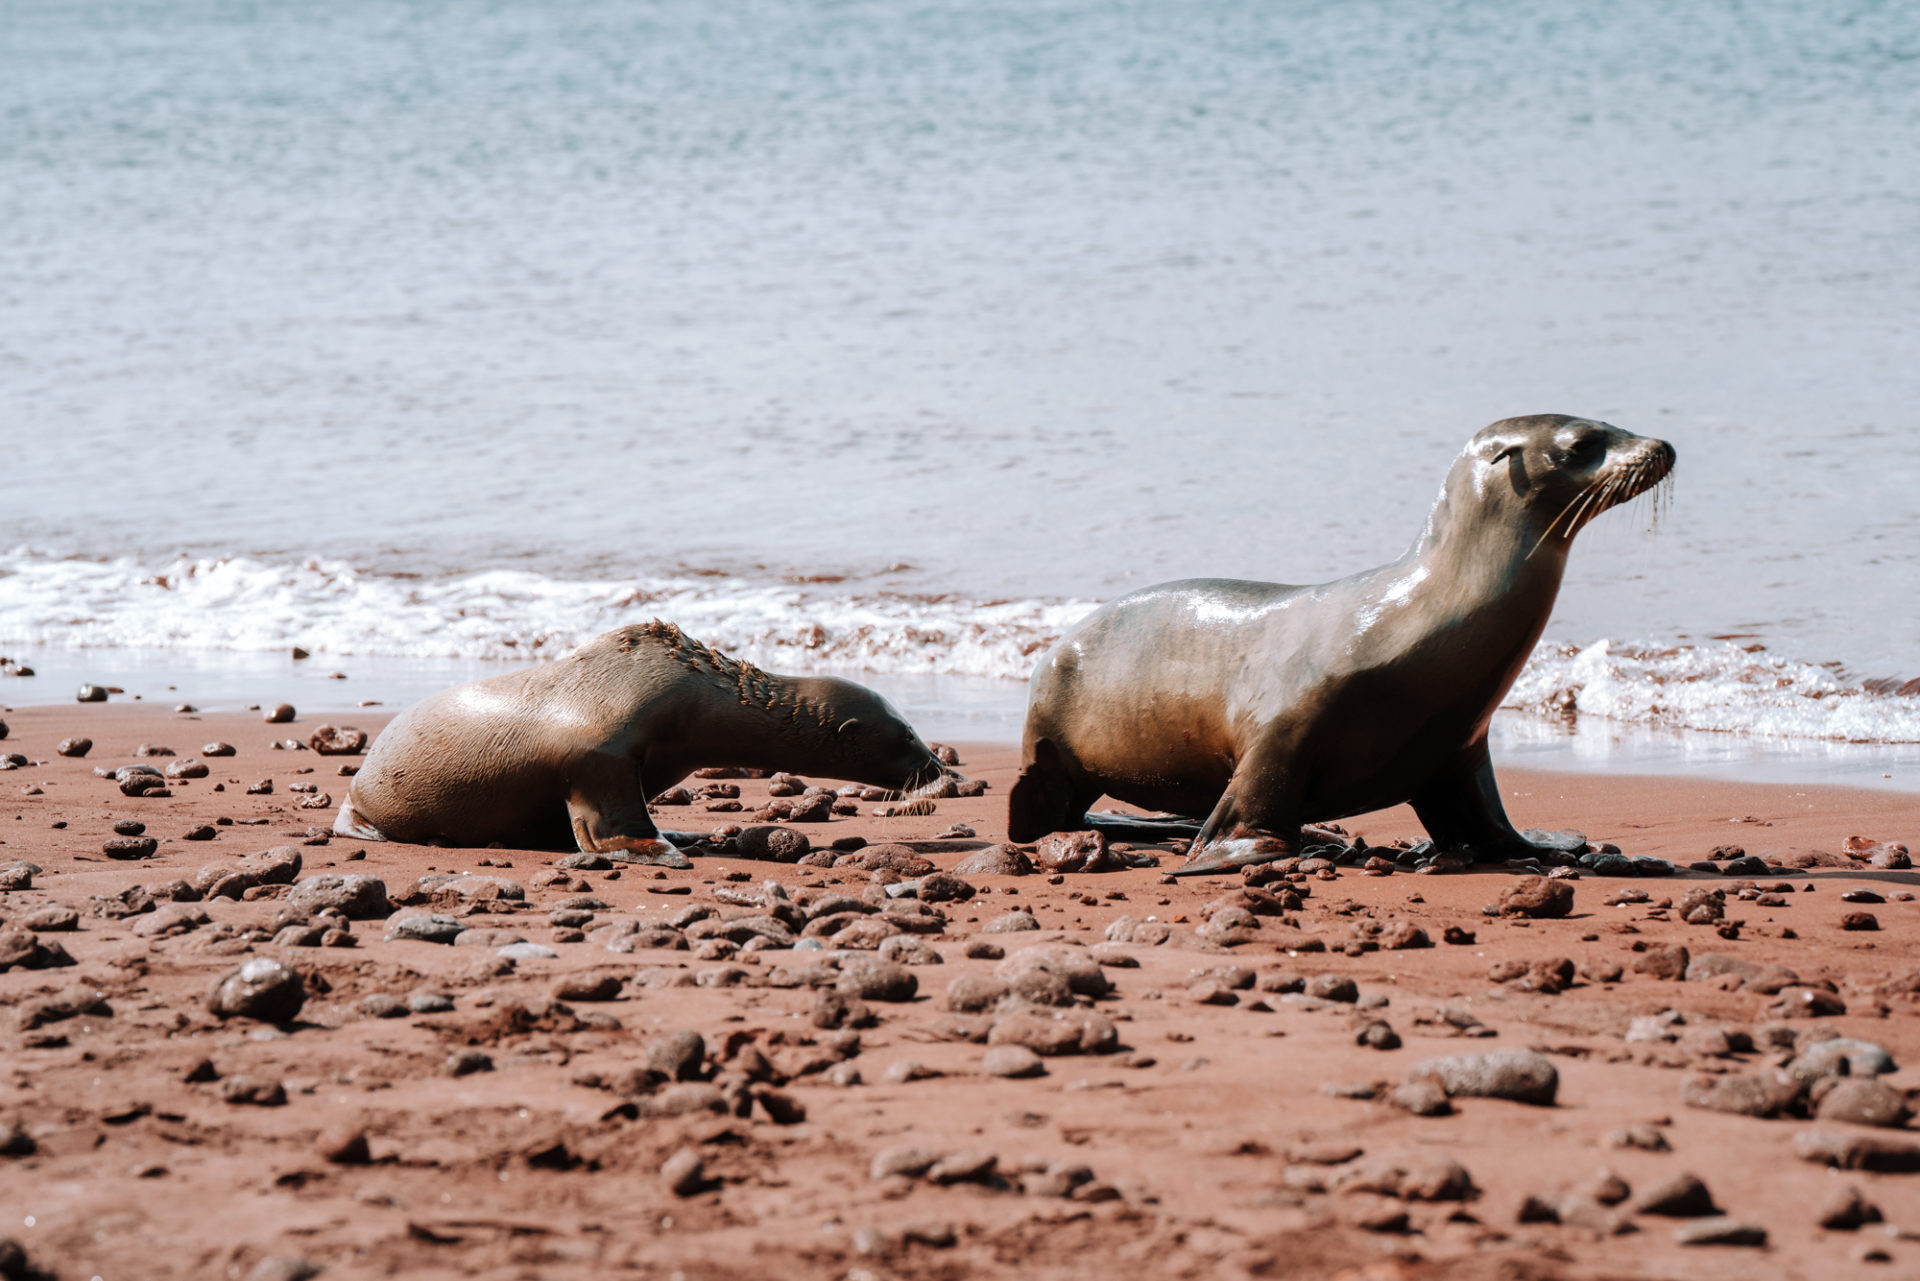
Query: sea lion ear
[[852, 722]]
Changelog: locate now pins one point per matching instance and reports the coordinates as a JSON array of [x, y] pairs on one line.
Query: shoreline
[[951, 708]]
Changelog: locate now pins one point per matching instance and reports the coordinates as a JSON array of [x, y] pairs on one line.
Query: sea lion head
[[869, 741], [1551, 474]]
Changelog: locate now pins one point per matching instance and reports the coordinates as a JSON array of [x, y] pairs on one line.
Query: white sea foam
[[329, 607], [1721, 687], [332, 608]]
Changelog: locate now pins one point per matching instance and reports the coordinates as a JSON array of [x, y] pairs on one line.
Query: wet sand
[[1203, 1142]]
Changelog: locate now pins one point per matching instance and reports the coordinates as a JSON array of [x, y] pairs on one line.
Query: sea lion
[[565, 754], [1266, 706]]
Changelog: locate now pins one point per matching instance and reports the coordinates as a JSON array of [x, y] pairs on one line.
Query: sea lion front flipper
[[1210, 854], [607, 805], [1461, 810]]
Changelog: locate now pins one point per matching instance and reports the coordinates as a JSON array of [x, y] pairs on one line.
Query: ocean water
[[888, 337]]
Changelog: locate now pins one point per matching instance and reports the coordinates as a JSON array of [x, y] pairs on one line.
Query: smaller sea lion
[[565, 754]]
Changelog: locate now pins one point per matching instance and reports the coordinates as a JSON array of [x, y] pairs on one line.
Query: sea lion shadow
[[1882, 875]]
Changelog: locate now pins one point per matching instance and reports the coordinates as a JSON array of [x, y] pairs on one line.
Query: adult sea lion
[[1265, 706], [566, 754]]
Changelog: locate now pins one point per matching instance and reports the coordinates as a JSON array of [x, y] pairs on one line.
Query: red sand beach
[[1226, 1107]]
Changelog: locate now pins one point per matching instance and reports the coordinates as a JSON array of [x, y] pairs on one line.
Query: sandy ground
[[1208, 1140]]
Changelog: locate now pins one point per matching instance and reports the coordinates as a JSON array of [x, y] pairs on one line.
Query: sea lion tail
[[348, 822]]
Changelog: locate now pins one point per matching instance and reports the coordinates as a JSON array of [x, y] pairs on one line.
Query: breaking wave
[[330, 607]]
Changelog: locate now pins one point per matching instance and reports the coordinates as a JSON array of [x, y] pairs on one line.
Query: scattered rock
[[1863, 1101], [1669, 962], [1858, 1151], [467, 1062], [1537, 897], [1646, 1138], [355, 895], [678, 1056], [994, 860], [253, 1091], [425, 928], [1011, 923], [1522, 1076], [684, 1173], [262, 988], [1846, 1209], [1678, 1196], [347, 741], [1721, 1231], [1762, 1094], [1011, 1060]]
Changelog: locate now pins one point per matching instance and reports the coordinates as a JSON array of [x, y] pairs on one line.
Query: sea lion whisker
[[1578, 499], [1552, 524]]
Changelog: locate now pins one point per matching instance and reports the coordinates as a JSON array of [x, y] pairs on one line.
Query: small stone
[[1807, 1003], [684, 1173], [1378, 1035], [328, 741], [963, 1167], [262, 988], [1668, 962], [678, 1056], [1011, 923], [429, 1002], [1839, 1056], [1761, 1094], [905, 1161], [1333, 987], [253, 1091], [383, 1005], [355, 895], [1721, 1231], [1678, 1196], [587, 987], [345, 1147], [126, 848], [1646, 1138], [1522, 1076], [280, 714], [994, 860], [1537, 897], [1422, 1097], [906, 1070], [1012, 1061], [1859, 921], [877, 980], [75, 747], [467, 1062], [972, 993], [1847, 1209], [425, 928], [1864, 1101]]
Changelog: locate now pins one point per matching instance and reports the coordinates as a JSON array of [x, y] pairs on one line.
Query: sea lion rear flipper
[[348, 822], [1138, 827]]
